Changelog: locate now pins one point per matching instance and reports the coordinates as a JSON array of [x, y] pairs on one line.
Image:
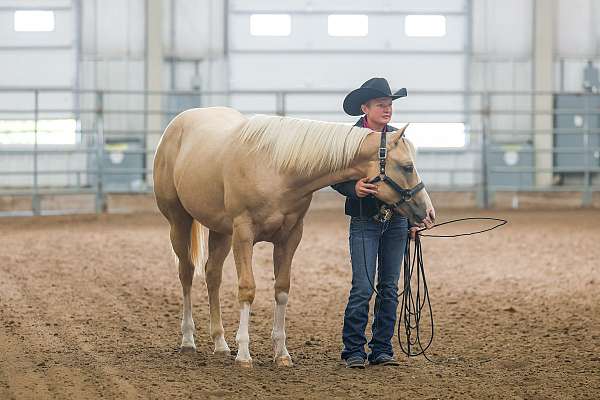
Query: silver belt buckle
[[384, 215]]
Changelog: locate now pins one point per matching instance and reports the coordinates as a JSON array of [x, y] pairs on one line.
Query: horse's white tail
[[197, 248]]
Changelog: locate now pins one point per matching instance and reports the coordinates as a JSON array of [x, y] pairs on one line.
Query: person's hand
[[427, 223], [429, 220], [413, 232], [364, 188]]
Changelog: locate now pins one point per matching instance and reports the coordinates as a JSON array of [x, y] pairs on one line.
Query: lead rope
[[413, 303]]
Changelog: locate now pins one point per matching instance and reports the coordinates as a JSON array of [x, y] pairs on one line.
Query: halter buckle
[[382, 153]]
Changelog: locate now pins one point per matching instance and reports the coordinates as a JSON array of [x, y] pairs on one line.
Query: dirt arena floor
[[90, 308]]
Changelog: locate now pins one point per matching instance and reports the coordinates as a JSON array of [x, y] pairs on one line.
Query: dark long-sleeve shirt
[[370, 205]]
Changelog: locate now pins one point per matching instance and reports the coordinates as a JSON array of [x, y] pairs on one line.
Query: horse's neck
[[316, 182], [358, 169]]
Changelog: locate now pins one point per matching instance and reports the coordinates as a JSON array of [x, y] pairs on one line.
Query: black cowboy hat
[[371, 89]]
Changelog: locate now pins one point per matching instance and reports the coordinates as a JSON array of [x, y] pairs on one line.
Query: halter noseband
[[405, 194]]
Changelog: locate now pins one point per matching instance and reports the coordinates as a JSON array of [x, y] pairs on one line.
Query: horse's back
[[211, 121], [205, 133], [198, 132], [200, 125]]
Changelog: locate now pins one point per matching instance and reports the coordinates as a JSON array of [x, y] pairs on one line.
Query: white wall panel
[[192, 29], [111, 22], [502, 27], [32, 59], [61, 36], [307, 103], [310, 59], [88, 30], [502, 33], [57, 103], [40, 68], [348, 5], [309, 32], [198, 28], [117, 75], [251, 104], [502, 76], [22, 101], [122, 75], [414, 108], [297, 71], [578, 35], [329, 117], [120, 26], [29, 4]]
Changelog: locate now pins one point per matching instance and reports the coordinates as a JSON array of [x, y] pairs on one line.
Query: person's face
[[378, 111]]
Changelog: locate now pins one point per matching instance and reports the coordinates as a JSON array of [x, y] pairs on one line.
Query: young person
[[384, 241]]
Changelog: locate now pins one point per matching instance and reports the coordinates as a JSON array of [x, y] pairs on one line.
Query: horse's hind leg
[[181, 228], [218, 247]]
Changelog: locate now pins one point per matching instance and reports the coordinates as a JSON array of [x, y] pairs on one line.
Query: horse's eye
[[408, 168]]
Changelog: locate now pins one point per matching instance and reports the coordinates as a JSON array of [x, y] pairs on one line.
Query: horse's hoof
[[243, 363], [187, 349], [284, 361], [222, 353]]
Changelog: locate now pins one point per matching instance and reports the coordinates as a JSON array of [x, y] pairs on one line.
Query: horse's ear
[[400, 133]]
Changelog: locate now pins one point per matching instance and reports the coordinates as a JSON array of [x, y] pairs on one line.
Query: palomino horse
[[252, 180]]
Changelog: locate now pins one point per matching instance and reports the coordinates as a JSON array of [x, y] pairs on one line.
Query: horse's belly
[[273, 229], [277, 225], [219, 222]]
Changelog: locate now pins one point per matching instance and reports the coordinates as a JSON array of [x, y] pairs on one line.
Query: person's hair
[[368, 102]]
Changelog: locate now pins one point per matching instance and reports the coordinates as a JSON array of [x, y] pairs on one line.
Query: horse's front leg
[[243, 242], [283, 252]]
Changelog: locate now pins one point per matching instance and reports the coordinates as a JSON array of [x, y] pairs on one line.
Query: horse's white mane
[[302, 145]]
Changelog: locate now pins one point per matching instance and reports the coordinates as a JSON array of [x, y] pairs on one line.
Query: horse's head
[[401, 168]]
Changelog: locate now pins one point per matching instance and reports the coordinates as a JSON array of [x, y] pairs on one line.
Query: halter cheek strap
[[382, 153], [405, 194]]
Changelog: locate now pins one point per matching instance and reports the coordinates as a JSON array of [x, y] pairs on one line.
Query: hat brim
[[360, 96]]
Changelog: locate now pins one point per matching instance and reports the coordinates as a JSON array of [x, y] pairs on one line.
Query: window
[[34, 21], [270, 24], [425, 25], [49, 131], [348, 25], [436, 134]]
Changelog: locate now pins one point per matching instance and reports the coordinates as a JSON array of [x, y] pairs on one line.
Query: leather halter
[[405, 194]]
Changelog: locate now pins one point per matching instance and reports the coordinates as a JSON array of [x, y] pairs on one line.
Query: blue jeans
[[385, 242]]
